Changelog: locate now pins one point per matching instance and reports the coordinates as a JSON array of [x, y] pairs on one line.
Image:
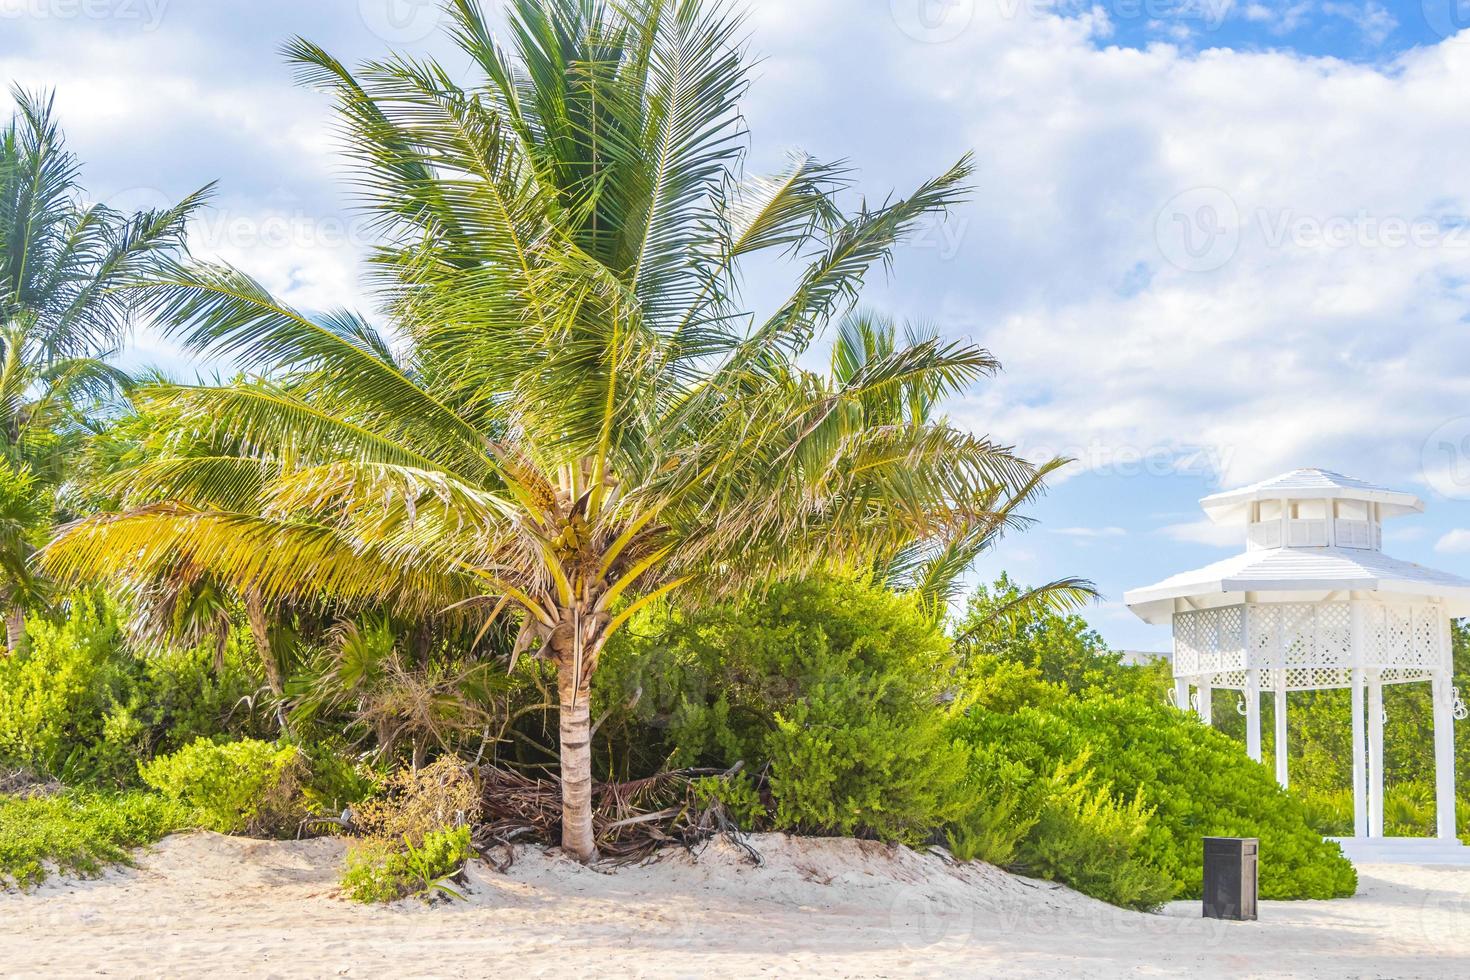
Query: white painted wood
[[1253, 714], [1206, 704], [1444, 735], [1282, 775], [1444, 757], [1375, 755], [1360, 737], [1181, 694]]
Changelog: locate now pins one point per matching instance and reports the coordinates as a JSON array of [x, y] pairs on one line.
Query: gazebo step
[[1404, 850]]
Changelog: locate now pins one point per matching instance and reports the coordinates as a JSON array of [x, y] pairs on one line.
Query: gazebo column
[[1253, 714], [1375, 755], [1181, 693], [1360, 751], [1444, 755], [1206, 695], [1279, 717]]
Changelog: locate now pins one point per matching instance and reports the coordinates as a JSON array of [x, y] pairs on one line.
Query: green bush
[[57, 697], [78, 833], [376, 871], [1199, 782], [1005, 802], [836, 685], [738, 794], [81, 705], [233, 787], [1060, 649], [334, 779], [1095, 842]]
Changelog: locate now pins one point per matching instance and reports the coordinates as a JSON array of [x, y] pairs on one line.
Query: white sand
[[204, 904]]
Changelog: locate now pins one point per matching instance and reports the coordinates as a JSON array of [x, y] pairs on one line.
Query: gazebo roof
[[1302, 570], [1231, 507]]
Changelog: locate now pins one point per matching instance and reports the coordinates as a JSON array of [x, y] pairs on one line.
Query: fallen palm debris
[[632, 821]]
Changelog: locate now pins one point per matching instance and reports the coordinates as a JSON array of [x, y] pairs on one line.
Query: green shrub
[[1059, 649], [1328, 812], [335, 779], [737, 794], [81, 705], [233, 787], [1199, 782], [836, 685], [1005, 802], [57, 698], [377, 871], [77, 832], [1094, 842]]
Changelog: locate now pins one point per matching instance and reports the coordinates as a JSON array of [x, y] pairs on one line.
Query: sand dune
[[204, 904]]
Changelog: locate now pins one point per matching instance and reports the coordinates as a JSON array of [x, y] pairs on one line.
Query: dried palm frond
[[632, 821]]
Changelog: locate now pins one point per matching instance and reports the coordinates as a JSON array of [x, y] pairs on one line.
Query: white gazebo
[[1313, 603]]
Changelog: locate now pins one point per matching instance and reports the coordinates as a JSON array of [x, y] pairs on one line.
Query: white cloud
[[1207, 533], [1090, 532], [1372, 19], [1321, 339], [1456, 542], [1329, 331]]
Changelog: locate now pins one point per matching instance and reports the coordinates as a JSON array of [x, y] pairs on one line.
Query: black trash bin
[[1231, 876]]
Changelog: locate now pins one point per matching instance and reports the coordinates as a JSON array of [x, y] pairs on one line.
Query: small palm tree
[[61, 314], [577, 413], [931, 567]]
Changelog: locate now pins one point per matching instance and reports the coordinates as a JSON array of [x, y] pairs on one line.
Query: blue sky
[[1210, 240]]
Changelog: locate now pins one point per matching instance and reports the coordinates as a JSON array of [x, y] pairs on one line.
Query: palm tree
[[931, 567], [576, 414], [61, 315]]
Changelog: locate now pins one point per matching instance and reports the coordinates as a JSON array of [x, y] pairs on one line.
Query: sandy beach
[[203, 904]]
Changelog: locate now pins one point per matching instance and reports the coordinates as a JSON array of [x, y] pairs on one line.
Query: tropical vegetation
[[571, 517], [62, 315]]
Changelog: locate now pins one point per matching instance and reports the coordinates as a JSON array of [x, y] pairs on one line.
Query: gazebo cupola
[[1313, 603]]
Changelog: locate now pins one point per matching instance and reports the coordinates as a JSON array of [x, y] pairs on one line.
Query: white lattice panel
[[1265, 635], [1402, 636], [1208, 641], [1307, 646]]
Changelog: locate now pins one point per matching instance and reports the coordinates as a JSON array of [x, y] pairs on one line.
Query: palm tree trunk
[[577, 838], [15, 629], [260, 633]]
